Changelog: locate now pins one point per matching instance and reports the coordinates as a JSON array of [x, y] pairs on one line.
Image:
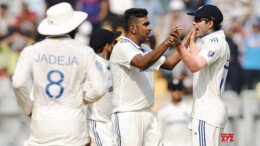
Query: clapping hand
[[192, 34], [174, 37]]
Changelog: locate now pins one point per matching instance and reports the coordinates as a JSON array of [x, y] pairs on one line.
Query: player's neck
[[104, 55], [176, 101], [134, 39]]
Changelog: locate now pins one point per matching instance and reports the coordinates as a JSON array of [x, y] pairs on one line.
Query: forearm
[[149, 59], [188, 59], [193, 49], [171, 61], [175, 58]]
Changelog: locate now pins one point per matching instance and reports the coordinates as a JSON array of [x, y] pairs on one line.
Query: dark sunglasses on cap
[[197, 19]]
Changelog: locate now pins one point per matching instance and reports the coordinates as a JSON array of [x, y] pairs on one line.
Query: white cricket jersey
[[63, 72], [209, 83], [133, 87], [101, 110], [174, 120]]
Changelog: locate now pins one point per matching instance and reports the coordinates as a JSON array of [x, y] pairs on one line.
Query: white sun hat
[[177, 5], [61, 19]]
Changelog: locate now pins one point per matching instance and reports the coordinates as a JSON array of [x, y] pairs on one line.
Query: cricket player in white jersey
[[208, 59], [65, 75], [132, 66], [100, 113], [174, 118]]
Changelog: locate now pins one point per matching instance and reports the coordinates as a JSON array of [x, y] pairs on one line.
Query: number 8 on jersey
[[54, 89]]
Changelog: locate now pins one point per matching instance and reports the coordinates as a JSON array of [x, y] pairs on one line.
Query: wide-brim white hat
[[61, 19], [177, 5]]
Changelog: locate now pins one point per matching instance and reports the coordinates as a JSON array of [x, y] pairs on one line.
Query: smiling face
[[203, 26], [142, 29]]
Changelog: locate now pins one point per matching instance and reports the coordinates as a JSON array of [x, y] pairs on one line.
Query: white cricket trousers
[[101, 134], [137, 128], [204, 134]]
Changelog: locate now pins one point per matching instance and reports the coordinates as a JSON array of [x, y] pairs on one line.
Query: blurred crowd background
[[18, 28]]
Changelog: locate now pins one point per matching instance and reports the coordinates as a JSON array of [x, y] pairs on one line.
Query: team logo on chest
[[211, 53]]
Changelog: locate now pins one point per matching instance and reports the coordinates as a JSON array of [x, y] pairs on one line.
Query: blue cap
[[101, 37], [175, 84], [208, 11]]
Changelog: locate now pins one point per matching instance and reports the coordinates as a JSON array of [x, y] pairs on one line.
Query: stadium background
[[18, 28]]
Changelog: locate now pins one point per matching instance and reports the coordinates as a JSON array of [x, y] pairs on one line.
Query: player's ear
[[133, 29], [210, 24], [108, 47]]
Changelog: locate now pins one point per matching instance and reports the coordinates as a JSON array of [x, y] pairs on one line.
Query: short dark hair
[[217, 26], [175, 84], [132, 14]]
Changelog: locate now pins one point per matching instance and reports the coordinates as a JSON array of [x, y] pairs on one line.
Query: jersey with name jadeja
[[209, 83], [102, 109], [63, 72], [133, 87]]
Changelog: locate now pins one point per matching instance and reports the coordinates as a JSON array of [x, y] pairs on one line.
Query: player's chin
[[198, 34], [147, 39]]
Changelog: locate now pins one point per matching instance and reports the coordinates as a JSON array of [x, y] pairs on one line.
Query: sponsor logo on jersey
[[214, 40]]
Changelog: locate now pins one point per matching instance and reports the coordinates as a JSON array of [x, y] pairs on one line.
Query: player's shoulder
[[101, 61], [217, 38], [123, 47], [126, 42], [214, 39], [29, 48]]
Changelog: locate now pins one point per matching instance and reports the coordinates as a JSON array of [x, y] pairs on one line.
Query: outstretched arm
[[144, 62], [174, 58]]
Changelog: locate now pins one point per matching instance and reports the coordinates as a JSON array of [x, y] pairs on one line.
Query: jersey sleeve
[[123, 53], [211, 52], [94, 87], [21, 81], [158, 63]]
